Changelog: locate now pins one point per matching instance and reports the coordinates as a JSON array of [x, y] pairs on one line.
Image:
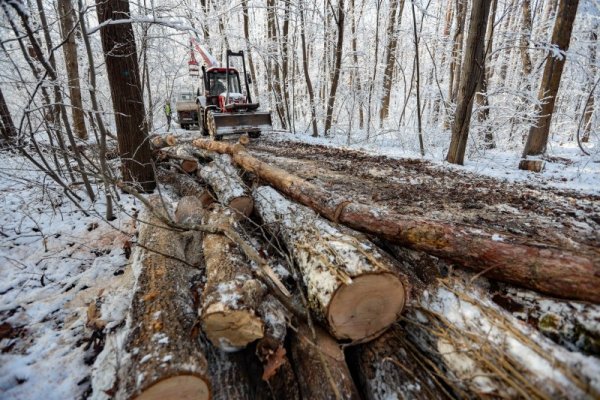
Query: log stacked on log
[[165, 362], [350, 288], [158, 142], [504, 257], [228, 186]]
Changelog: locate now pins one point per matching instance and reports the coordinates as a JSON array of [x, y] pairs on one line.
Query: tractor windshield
[[217, 83]]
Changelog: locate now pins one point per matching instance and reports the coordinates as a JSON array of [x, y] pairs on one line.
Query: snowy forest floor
[[55, 260]]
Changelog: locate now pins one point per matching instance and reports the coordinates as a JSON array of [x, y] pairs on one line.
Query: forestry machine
[[222, 107]]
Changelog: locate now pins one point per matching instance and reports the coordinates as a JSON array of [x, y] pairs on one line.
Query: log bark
[[228, 186], [390, 367], [164, 361], [559, 272], [321, 366], [231, 295], [480, 350], [185, 185], [350, 286]]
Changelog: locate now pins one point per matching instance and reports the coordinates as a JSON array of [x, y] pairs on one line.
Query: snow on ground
[[567, 168], [54, 261]]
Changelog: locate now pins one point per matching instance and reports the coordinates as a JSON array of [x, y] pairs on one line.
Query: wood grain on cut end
[[232, 330], [366, 307], [182, 387], [189, 166], [242, 205]]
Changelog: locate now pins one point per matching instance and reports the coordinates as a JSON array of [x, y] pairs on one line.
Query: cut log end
[[189, 166], [531, 165], [243, 205], [365, 308], [184, 387], [233, 330]]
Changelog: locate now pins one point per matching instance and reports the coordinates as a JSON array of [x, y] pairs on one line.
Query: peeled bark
[[390, 367], [228, 186], [321, 366], [164, 361], [559, 272], [350, 286]]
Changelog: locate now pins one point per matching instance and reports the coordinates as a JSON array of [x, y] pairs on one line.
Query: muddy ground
[[413, 187]]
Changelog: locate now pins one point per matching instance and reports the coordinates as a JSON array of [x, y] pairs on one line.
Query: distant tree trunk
[[589, 105], [284, 44], [7, 127], [456, 60], [526, 37], [471, 74], [273, 76], [418, 76], [67, 23], [375, 66], [120, 56], [561, 36], [397, 6], [445, 35], [246, 18], [481, 98], [338, 65], [309, 86], [355, 74]]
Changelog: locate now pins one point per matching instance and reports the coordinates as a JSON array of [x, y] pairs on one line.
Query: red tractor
[[223, 108]]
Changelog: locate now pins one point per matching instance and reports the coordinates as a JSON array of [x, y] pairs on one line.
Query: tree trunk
[[588, 110], [480, 350], [120, 56], [456, 59], [246, 18], [321, 366], [309, 86], [357, 88], [272, 62], [350, 286], [228, 186], [561, 36], [391, 367], [67, 23], [473, 69], [397, 6], [338, 65], [526, 38], [559, 272], [164, 361], [9, 133]]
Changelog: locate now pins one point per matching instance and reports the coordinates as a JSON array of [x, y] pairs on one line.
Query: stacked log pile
[[377, 317]]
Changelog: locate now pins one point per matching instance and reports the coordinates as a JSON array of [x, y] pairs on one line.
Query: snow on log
[[231, 296], [164, 361], [350, 288], [559, 272], [390, 367], [481, 349], [185, 185], [320, 366], [231, 191]]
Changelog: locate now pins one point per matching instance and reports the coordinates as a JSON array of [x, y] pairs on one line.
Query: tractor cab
[[221, 84]]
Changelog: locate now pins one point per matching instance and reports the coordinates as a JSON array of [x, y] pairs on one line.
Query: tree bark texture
[[559, 272], [185, 185], [231, 191], [589, 105], [457, 47], [305, 69], [339, 50], [67, 17], [390, 367], [397, 6], [350, 286], [118, 44], [561, 37], [321, 366], [165, 362], [472, 71], [9, 133]]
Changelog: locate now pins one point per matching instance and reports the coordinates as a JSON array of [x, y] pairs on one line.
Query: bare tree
[[120, 55], [396, 8], [67, 22], [456, 60], [309, 86], [589, 104], [471, 74], [339, 51], [537, 139]]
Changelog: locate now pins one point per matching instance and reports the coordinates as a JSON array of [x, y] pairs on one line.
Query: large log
[[185, 185], [231, 191], [350, 287], [164, 361], [231, 295], [158, 141], [560, 272], [321, 366], [480, 350], [390, 367]]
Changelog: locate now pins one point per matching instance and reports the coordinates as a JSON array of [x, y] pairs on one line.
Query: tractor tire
[[201, 123]]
